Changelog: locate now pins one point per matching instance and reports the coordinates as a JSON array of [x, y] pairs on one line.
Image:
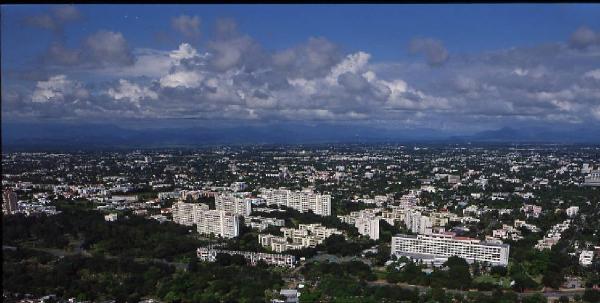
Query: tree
[[591, 295], [553, 279], [536, 298]]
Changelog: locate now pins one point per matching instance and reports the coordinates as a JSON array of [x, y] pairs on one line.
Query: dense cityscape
[[300, 153], [304, 223]]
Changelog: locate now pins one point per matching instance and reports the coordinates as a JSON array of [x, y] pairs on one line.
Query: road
[[548, 294]]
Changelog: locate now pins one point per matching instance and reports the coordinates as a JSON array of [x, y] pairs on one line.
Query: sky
[[457, 68]]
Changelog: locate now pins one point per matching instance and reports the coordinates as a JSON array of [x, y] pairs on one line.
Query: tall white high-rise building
[[302, 201], [436, 248], [9, 202], [366, 221], [233, 204], [418, 223], [217, 222], [368, 227], [183, 213]]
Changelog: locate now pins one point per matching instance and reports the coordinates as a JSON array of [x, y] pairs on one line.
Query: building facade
[[436, 247], [593, 178], [209, 254], [302, 201], [218, 222], [234, 204], [9, 202], [306, 235]]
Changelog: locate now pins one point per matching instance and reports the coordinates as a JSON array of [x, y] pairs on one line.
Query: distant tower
[[9, 202]]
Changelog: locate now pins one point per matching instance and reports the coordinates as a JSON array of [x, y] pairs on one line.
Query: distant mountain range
[[21, 136]]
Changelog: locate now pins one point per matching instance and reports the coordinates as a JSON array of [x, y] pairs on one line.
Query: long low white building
[[434, 248], [210, 255]]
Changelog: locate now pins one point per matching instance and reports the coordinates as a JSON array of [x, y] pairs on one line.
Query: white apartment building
[[393, 215], [111, 217], [366, 221], [238, 186], [507, 232], [572, 211], [306, 235], [368, 227], [553, 235], [437, 247], [418, 223], [234, 204], [302, 201], [217, 222], [210, 255], [586, 257], [184, 213], [262, 223], [593, 178]]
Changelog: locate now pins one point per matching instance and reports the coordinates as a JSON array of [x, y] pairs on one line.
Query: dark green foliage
[[96, 277], [591, 295]]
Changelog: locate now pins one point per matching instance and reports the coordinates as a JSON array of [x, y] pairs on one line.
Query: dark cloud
[[230, 49], [58, 54], [189, 26], [107, 48], [433, 50], [583, 38], [226, 28], [56, 19], [309, 60], [353, 82], [100, 49], [67, 13]]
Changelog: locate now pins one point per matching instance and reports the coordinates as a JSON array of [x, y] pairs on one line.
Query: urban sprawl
[[395, 208]]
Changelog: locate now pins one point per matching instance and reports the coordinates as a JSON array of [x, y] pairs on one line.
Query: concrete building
[[233, 204], [111, 217], [302, 201], [418, 223], [306, 235], [435, 248], [209, 254], [593, 178], [261, 223], [183, 213], [586, 257], [368, 227], [9, 202], [453, 179], [572, 211], [238, 186], [217, 222], [366, 221]]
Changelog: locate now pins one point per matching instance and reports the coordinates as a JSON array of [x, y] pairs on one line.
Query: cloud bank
[[230, 76]]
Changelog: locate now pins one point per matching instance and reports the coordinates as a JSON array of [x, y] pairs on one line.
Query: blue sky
[[463, 66]]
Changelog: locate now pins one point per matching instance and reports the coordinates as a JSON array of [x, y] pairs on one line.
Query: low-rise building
[[306, 235], [209, 254], [111, 217]]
